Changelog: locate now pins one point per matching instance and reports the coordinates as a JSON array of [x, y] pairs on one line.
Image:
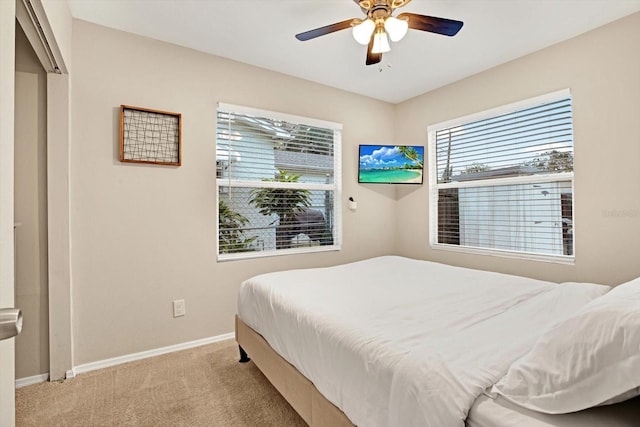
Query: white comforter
[[399, 342]]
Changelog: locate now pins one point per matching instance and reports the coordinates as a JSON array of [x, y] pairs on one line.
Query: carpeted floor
[[204, 386]]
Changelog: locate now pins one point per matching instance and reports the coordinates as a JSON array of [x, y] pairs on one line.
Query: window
[[278, 181], [502, 181]]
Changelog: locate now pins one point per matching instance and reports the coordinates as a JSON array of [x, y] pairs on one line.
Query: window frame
[[335, 187], [434, 186]]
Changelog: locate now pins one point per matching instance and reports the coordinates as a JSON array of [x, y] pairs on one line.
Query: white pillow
[[589, 359]]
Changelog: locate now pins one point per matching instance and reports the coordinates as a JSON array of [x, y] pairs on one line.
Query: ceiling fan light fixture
[[378, 26], [380, 42], [399, 3], [396, 28], [362, 32]]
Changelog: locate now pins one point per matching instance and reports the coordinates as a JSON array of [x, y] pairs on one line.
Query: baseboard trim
[[35, 379], [100, 364]]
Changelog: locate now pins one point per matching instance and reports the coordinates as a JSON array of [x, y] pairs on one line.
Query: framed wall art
[[150, 136]]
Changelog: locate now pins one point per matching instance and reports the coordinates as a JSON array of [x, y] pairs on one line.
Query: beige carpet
[[204, 386]]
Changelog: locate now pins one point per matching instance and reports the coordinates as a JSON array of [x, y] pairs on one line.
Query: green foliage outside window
[[230, 233], [283, 202]]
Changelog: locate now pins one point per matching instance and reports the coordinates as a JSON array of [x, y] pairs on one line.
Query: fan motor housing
[[367, 5], [379, 10]]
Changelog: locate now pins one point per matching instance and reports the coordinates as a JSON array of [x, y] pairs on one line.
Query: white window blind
[[278, 183], [502, 180]]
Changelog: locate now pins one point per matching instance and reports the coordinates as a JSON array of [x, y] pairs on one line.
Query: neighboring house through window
[[502, 180], [278, 183]]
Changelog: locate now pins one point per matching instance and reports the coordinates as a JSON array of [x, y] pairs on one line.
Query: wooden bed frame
[[301, 394]]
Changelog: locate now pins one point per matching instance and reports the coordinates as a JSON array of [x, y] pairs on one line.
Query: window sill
[[265, 254], [557, 259]]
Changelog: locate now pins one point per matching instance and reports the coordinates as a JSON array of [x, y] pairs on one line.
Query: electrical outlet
[[179, 308]]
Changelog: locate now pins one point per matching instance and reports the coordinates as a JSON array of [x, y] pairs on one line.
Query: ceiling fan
[[379, 26]]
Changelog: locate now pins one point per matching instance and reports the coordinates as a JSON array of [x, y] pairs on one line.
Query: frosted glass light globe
[[396, 28], [380, 43], [362, 32]]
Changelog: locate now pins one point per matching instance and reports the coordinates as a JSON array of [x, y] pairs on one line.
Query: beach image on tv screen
[[394, 164]]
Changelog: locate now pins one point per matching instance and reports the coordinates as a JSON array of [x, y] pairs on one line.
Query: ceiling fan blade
[[372, 58], [327, 29], [446, 27]]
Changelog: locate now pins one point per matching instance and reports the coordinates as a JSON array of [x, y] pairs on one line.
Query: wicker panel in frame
[[150, 136]]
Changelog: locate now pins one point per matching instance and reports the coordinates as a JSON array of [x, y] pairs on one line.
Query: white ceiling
[[261, 33]]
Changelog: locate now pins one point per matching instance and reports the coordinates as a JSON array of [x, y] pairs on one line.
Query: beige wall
[[602, 70], [30, 211], [143, 235]]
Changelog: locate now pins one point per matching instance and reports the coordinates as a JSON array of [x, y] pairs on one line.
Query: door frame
[[39, 24], [7, 278], [55, 19]]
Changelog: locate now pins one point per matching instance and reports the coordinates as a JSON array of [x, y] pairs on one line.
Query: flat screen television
[[390, 164]]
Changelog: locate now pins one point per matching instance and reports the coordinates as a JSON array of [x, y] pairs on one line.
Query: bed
[[397, 341]]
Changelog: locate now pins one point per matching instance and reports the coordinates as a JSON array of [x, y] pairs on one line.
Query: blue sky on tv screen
[[384, 156]]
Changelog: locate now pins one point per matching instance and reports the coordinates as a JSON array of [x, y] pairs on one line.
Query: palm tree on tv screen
[[411, 154]]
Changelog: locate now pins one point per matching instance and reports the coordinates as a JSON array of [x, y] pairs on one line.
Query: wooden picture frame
[[150, 136]]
